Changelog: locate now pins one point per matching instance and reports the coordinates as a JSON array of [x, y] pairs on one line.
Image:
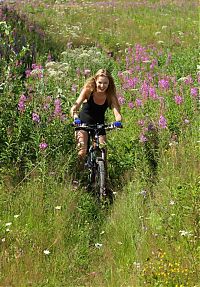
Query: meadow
[[54, 234]]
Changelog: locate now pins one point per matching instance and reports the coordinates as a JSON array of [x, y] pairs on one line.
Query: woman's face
[[102, 84]]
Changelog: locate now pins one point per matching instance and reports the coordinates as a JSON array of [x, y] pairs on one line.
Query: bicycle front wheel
[[100, 180]]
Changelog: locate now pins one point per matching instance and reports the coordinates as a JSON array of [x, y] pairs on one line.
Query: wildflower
[[121, 100], [3, 239], [58, 207], [16, 215], [185, 233], [188, 80], [143, 193], [194, 92], [138, 102], [98, 245], [43, 145], [8, 224], [28, 73], [178, 100], [141, 122], [46, 252], [131, 105], [163, 84], [74, 88], [186, 121], [137, 265], [21, 104], [152, 93], [35, 117], [162, 122], [86, 72], [58, 108], [143, 138], [172, 202]]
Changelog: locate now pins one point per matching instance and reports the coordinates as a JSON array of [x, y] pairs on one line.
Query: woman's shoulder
[[86, 92]]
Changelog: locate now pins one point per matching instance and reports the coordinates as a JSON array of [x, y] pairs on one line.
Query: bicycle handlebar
[[109, 126]]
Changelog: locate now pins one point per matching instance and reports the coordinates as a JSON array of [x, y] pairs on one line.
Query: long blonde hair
[[111, 90]]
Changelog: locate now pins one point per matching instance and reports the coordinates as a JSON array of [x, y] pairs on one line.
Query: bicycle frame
[[96, 158]]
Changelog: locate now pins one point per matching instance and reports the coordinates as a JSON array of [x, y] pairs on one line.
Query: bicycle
[[96, 160]]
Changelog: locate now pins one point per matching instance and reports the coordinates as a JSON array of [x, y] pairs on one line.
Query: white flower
[[137, 264], [98, 245], [46, 252], [157, 33], [185, 233], [16, 215], [8, 224], [58, 207], [3, 239], [172, 202]]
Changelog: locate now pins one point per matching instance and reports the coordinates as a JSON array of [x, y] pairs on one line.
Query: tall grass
[[53, 233]]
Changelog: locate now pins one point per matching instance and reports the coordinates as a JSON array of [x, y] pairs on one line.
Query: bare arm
[[82, 97], [116, 110]]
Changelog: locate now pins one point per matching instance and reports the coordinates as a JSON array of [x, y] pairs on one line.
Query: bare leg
[[81, 140]]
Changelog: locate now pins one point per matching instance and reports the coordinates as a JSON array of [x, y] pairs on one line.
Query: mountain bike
[[96, 161]]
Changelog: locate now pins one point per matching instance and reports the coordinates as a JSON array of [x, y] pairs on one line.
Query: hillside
[[53, 233]]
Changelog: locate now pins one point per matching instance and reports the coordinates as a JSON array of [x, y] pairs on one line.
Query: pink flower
[[43, 145], [188, 80], [58, 108], [178, 100], [143, 138], [35, 117], [131, 105], [162, 122], [194, 92], [141, 122], [138, 102], [163, 84], [21, 104], [121, 100]]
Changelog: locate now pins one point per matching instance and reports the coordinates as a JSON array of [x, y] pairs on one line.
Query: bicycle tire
[[100, 180]]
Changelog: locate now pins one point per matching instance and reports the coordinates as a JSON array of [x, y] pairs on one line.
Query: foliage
[[52, 233]]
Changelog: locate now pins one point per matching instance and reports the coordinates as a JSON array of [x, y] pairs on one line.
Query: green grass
[[52, 234]]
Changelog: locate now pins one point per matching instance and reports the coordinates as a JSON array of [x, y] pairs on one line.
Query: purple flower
[[178, 100], [58, 108], [74, 88], [188, 80], [43, 145], [162, 122], [143, 138], [163, 84], [28, 73], [138, 102], [131, 105], [121, 100], [141, 122], [21, 104], [194, 92], [35, 117]]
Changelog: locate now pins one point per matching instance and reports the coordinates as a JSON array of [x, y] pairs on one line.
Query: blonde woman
[[97, 95]]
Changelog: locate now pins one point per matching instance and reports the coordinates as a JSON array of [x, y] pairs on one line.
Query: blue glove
[[117, 124], [77, 121]]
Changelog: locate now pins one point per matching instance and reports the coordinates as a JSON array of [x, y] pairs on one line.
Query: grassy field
[[54, 234]]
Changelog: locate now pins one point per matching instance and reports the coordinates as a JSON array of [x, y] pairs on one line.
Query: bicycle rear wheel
[[100, 181]]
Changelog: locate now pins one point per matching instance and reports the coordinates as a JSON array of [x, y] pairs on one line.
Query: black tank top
[[92, 113]]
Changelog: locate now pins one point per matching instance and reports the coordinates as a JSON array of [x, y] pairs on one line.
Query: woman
[[98, 94]]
